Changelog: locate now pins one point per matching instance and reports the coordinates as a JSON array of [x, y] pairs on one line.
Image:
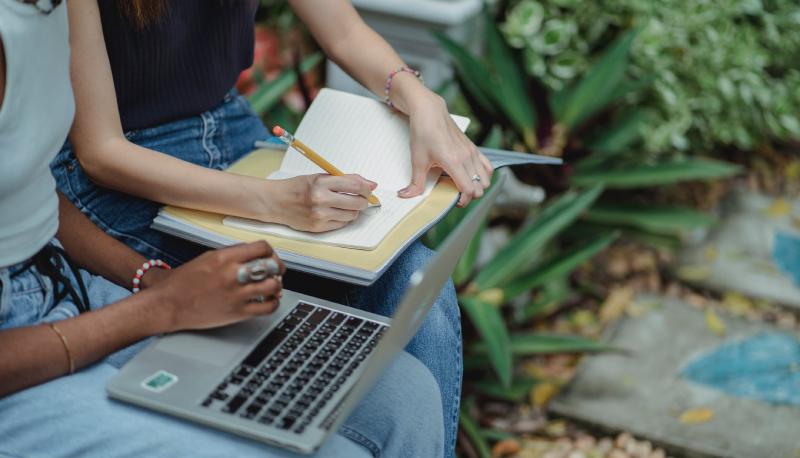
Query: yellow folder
[[363, 266]]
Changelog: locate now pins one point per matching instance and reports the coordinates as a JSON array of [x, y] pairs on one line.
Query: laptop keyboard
[[295, 370]]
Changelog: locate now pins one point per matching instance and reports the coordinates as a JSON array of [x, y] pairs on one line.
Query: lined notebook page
[[357, 135]]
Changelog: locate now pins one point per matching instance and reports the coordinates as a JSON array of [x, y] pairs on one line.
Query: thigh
[[72, 416]]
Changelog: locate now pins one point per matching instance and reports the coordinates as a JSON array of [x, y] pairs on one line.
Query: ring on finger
[[257, 270], [476, 178]]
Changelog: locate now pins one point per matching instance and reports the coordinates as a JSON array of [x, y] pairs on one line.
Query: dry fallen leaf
[[779, 208], [694, 273], [710, 253], [542, 393], [505, 447], [616, 303], [714, 323], [737, 303], [697, 415], [492, 296]]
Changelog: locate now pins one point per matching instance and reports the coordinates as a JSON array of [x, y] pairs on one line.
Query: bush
[[725, 72]]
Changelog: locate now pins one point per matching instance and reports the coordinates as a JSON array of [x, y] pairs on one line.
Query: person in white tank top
[[64, 331]]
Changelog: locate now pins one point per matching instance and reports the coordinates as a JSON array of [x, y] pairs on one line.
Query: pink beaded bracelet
[[389, 79], [137, 279]]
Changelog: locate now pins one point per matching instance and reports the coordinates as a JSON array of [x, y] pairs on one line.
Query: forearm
[[361, 52], [118, 164], [36, 354], [93, 249]]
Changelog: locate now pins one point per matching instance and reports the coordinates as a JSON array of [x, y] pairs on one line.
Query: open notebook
[[357, 135]]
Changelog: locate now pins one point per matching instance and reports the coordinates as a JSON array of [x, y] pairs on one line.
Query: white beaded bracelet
[[137, 279]]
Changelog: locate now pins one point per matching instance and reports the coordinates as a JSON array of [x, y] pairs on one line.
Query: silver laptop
[[290, 378]]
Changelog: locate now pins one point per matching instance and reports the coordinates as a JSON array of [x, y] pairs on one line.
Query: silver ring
[[257, 270], [476, 178], [260, 298]]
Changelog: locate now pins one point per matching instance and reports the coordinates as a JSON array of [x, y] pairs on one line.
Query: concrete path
[[644, 394]]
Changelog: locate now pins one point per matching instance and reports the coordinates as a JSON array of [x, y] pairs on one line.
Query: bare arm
[[436, 142], [201, 294], [98, 252], [35, 354], [308, 202], [114, 162]]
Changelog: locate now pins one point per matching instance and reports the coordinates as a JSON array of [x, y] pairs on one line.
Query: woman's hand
[[205, 293], [436, 142], [321, 202]]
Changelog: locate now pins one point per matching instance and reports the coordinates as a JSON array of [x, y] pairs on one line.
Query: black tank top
[[180, 65]]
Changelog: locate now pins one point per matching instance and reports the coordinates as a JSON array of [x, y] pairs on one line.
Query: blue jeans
[[216, 139], [72, 416]]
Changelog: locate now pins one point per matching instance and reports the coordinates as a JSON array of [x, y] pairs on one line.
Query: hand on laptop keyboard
[[205, 293]]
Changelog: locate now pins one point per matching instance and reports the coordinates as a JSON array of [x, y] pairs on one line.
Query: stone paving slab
[[642, 392]]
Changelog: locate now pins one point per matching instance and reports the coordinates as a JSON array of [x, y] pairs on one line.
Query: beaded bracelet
[[137, 279], [389, 79]]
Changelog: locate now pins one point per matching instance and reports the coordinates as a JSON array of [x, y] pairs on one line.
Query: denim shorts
[[27, 297], [214, 139]]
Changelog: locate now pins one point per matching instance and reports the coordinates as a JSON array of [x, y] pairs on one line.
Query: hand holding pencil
[[325, 201]]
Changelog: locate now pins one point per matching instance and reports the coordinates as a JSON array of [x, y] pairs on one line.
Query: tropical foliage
[[585, 122], [724, 72]]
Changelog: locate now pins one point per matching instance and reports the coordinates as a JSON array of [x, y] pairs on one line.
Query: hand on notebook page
[[436, 142], [322, 202]]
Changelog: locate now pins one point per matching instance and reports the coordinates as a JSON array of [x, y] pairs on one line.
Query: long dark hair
[[142, 12]]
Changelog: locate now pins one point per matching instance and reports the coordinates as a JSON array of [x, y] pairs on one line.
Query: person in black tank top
[[157, 123]]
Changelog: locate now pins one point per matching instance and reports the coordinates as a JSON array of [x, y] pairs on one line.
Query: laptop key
[[286, 422], [234, 404], [264, 348], [304, 307], [318, 316]]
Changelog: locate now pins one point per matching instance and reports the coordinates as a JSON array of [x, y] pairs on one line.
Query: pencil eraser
[[278, 131]]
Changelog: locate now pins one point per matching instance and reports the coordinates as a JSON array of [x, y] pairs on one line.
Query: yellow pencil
[[331, 169]]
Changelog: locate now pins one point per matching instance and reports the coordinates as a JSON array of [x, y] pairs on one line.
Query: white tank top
[[35, 117]]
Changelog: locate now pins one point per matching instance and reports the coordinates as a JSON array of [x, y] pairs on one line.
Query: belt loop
[[5, 282]]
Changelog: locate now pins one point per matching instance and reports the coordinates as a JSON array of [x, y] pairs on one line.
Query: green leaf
[[598, 87], [509, 91], [490, 325], [466, 263], [496, 435], [517, 253], [517, 392], [473, 432], [659, 220], [269, 93], [560, 266], [542, 343], [474, 73], [495, 138], [646, 175], [547, 302], [616, 137]]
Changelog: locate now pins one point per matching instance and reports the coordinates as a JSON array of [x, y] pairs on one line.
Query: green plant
[[725, 72], [529, 277], [544, 251]]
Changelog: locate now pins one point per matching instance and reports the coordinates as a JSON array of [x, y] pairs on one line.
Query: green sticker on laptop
[[159, 381]]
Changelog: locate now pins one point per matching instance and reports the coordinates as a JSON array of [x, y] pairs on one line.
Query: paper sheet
[[357, 135]]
